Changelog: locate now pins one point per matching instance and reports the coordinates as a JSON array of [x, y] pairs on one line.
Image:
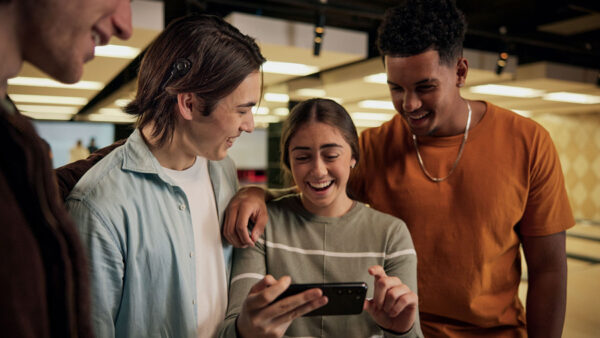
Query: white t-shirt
[[211, 281]]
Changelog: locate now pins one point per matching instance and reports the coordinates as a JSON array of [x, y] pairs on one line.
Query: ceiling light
[[266, 119], [122, 102], [116, 51], [110, 118], [47, 109], [572, 98], [372, 116], [260, 110], [48, 116], [112, 111], [502, 90], [311, 92], [376, 78], [79, 101], [112, 115], [275, 97], [288, 68], [281, 111], [376, 104], [46, 82]]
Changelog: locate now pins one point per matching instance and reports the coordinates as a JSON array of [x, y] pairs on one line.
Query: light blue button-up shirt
[[136, 227]]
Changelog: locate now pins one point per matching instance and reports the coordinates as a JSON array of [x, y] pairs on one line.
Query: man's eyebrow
[[247, 104], [416, 83]]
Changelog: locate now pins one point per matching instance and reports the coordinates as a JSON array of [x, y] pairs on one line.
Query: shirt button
[[193, 301], [191, 254], [182, 207]]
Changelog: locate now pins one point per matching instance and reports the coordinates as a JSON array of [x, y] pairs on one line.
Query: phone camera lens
[[349, 292], [339, 292]]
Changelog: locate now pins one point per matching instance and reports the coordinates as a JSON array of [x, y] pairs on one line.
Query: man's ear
[[189, 104], [462, 68]]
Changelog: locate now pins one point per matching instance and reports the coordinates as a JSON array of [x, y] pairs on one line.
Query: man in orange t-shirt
[[472, 181]]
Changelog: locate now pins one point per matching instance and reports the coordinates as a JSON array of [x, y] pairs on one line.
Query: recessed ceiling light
[[116, 51], [266, 119], [276, 97], [34, 108], [503, 90], [46, 82], [372, 116], [376, 78], [572, 98], [48, 116], [288, 68], [78, 101], [376, 104], [311, 92], [260, 110], [122, 102], [281, 111]]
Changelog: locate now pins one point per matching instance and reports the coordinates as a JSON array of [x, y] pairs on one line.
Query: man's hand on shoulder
[[246, 208]]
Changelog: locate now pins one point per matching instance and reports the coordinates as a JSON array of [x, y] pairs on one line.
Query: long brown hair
[[219, 57]]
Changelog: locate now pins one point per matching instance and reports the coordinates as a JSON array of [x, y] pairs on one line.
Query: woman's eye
[[332, 157], [301, 158]]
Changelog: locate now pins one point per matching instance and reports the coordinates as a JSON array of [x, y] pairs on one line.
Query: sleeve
[[249, 267], [107, 263], [401, 262], [547, 210]]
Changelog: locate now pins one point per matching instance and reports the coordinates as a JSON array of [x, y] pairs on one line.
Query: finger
[[306, 302], [382, 285], [241, 225], [260, 222], [408, 301], [229, 225], [393, 297], [377, 271], [265, 297], [267, 281]]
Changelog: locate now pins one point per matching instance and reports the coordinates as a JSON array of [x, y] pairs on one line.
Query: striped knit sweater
[[317, 249]]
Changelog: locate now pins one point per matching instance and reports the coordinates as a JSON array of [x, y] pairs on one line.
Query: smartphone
[[344, 298]]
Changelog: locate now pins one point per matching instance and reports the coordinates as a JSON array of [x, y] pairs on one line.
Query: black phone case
[[344, 298]]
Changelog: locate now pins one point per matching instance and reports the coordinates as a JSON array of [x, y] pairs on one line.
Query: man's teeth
[[320, 185], [416, 117], [96, 38]]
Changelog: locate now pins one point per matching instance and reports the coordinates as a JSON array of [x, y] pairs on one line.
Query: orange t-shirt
[[466, 229]]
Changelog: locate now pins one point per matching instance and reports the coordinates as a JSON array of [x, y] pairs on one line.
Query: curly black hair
[[416, 26]]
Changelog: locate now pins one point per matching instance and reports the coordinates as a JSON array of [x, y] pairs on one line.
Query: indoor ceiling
[[553, 46]]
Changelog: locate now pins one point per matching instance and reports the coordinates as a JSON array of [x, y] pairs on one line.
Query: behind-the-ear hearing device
[[180, 67]]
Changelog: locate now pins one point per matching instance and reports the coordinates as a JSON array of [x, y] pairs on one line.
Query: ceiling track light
[[319, 31], [503, 54]]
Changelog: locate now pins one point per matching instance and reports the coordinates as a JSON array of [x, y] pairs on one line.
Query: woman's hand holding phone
[[394, 305], [260, 318]]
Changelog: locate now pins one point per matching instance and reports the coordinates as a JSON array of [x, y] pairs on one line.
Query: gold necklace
[[460, 150]]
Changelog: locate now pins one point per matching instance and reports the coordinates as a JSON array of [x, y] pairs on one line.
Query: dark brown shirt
[[43, 271]]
